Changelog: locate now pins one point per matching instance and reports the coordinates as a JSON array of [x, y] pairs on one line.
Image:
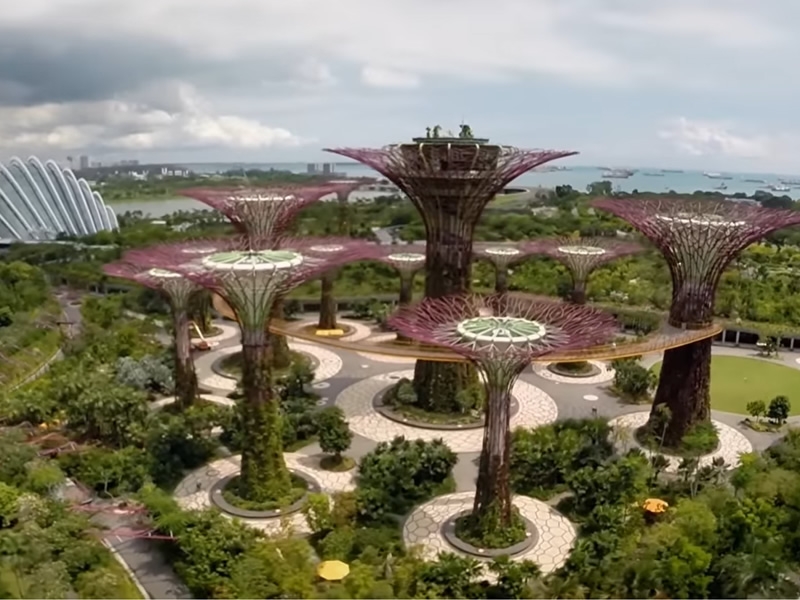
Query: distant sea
[[577, 177], [643, 180]]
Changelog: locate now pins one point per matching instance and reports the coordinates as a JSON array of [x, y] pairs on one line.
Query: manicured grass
[[735, 381]]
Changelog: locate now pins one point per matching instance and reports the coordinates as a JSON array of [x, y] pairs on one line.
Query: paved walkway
[[555, 535], [351, 380], [535, 408], [193, 492]]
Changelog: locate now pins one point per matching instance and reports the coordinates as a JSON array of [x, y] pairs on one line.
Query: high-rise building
[[312, 168], [327, 169], [84, 162]]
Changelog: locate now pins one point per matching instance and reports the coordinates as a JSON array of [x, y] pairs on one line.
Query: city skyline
[[671, 84]]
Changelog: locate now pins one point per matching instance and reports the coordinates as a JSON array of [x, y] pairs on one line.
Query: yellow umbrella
[[655, 506], [333, 570]]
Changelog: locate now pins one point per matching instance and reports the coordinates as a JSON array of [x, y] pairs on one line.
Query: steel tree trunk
[[279, 352], [264, 475], [501, 280], [448, 270], [406, 297], [492, 506], [327, 303], [185, 375], [684, 388], [578, 295]]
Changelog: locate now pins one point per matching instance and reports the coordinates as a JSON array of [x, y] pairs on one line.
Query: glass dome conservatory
[[39, 201]]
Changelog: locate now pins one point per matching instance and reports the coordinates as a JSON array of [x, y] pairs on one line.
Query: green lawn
[[735, 381]]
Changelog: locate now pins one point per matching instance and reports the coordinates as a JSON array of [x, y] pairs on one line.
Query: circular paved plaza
[[193, 492], [535, 408], [555, 534], [605, 375], [731, 443], [328, 365]]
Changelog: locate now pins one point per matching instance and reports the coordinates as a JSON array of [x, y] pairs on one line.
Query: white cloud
[[720, 139], [723, 25], [379, 77], [123, 125]]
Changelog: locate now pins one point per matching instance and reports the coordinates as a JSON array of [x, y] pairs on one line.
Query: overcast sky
[[708, 84]]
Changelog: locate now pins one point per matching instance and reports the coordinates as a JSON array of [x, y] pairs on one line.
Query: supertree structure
[[178, 291], [581, 256], [500, 335], [698, 239], [449, 180], [250, 280], [328, 309], [407, 260], [329, 247], [502, 257], [264, 215]]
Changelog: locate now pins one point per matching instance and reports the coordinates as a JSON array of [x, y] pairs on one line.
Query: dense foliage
[[47, 551], [760, 287]]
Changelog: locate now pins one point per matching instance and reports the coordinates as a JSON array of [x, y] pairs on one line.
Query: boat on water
[[777, 187], [618, 173], [717, 175], [549, 169], [794, 182], [671, 171], [754, 180], [721, 186], [653, 174]]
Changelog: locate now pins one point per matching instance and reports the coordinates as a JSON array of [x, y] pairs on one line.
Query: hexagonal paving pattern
[[535, 409], [605, 375], [556, 535], [193, 491], [731, 442]]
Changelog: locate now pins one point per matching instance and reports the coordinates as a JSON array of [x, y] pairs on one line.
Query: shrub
[[401, 394], [757, 409], [542, 458], [779, 409], [398, 474], [620, 481], [634, 381], [334, 433], [148, 374]]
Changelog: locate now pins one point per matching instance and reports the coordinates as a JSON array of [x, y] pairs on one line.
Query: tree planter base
[[392, 414], [217, 499], [591, 372], [732, 443], [218, 365], [449, 533]]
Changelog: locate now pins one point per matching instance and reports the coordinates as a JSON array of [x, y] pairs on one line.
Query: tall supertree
[[581, 256], [328, 247], [264, 215], [407, 260], [698, 239], [178, 291], [449, 180], [327, 301], [502, 257], [250, 281], [500, 335]]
